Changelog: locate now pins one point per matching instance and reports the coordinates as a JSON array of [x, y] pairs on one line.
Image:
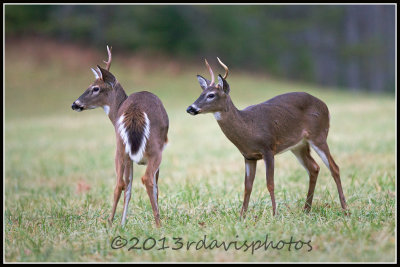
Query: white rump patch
[[124, 134], [146, 133], [125, 138], [217, 115], [106, 109]]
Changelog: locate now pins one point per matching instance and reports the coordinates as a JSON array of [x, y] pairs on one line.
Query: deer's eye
[[210, 96], [96, 89]]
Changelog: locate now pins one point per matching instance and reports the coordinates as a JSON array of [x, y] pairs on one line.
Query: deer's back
[[290, 107], [147, 102], [288, 118]]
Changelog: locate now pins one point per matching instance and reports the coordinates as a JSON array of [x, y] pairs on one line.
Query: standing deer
[[141, 127], [291, 121]]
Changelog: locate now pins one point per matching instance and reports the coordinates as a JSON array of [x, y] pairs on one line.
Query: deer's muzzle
[[193, 110], [75, 106]]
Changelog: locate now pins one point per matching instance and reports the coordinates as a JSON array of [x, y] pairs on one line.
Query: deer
[[292, 121], [141, 127]]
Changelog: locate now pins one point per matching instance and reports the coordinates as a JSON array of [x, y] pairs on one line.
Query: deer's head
[[214, 96], [98, 94]]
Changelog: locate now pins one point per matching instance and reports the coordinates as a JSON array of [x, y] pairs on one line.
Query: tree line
[[345, 46]]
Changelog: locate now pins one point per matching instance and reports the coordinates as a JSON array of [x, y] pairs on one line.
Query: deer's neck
[[230, 120], [235, 125], [119, 96]]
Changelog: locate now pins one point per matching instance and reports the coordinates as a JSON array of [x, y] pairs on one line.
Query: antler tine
[[211, 72], [225, 67], [108, 63]]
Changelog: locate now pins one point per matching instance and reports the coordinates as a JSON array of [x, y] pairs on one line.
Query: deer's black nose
[[191, 110], [76, 107]]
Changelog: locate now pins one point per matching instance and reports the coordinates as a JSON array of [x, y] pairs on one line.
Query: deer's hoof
[[307, 209], [346, 212]]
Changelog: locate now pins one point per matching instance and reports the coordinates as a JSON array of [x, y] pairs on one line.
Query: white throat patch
[[106, 109], [217, 115]]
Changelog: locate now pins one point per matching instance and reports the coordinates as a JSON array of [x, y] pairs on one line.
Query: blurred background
[[344, 46]]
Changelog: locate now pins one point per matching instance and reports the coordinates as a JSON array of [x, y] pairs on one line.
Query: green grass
[[50, 150]]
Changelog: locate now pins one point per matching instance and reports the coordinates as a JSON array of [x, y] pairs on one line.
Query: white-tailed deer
[[141, 127], [291, 121]]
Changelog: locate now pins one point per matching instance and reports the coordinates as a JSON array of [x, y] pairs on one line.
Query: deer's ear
[[106, 76], [97, 74], [203, 82], [223, 84]]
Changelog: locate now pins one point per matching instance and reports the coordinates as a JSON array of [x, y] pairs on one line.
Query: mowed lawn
[[59, 171]]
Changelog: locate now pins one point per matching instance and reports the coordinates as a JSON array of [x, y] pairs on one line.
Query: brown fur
[[134, 118], [107, 91], [289, 121]]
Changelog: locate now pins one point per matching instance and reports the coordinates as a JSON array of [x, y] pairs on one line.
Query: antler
[[108, 63], [225, 67], [211, 72]]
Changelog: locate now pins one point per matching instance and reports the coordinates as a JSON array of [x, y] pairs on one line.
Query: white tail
[[141, 127]]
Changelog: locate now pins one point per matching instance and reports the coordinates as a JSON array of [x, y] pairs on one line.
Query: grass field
[[59, 171]]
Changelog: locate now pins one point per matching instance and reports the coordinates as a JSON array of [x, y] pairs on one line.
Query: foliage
[[343, 46]]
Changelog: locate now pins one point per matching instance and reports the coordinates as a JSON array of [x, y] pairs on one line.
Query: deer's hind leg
[[303, 155], [128, 188], [322, 150], [150, 180], [120, 184], [269, 165], [157, 174]]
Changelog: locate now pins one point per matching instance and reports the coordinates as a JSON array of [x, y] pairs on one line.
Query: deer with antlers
[[141, 127], [293, 121]]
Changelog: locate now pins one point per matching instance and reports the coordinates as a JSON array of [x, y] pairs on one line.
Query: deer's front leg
[[120, 184], [269, 165], [250, 166]]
